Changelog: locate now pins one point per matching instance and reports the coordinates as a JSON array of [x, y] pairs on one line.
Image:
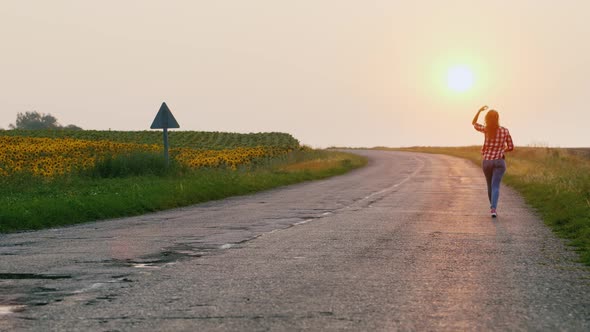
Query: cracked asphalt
[[405, 243]]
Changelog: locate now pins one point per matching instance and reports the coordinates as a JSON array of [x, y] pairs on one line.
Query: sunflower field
[[49, 157], [179, 139]]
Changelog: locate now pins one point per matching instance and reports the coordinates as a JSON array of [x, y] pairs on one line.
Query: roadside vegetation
[[555, 181], [48, 181]]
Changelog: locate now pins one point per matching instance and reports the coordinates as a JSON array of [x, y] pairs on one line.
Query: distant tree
[[72, 127], [35, 120]]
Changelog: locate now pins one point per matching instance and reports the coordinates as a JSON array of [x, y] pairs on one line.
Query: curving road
[[405, 243]]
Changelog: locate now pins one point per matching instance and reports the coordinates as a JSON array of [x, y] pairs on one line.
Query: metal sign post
[[164, 120]]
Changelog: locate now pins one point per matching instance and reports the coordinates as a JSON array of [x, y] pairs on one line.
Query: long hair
[[492, 124]]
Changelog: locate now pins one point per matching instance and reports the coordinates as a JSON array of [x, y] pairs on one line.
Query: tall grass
[[135, 163], [121, 187], [555, 181]]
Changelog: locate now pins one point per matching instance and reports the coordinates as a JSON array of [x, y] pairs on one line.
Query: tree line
[[37, 121]]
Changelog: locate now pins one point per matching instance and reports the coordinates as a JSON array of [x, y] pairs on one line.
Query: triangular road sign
[[164, 119]]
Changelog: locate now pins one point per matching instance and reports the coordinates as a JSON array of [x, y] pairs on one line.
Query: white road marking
[[303, 222], [10, 309], [91, 287], [144, 266]]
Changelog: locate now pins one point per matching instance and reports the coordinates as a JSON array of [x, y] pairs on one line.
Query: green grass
[[28, 203], [556, 182]]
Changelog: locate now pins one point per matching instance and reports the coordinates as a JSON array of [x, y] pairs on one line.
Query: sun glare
[[460, 78]]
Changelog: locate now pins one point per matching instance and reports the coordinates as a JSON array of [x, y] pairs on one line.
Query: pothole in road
[[17, 276], [23, 295], [103, 298], [176, 253], [161, 259]]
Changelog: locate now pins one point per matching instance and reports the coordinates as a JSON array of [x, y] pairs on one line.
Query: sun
[[459, 78]]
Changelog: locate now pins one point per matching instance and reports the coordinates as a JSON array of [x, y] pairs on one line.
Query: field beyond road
[[555, 181]]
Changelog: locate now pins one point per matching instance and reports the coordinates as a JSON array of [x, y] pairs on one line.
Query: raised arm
[[483, 108]]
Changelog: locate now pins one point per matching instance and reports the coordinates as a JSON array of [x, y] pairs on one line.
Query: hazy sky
[[330, 72]]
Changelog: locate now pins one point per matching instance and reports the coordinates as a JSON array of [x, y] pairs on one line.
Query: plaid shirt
[[495, 148]]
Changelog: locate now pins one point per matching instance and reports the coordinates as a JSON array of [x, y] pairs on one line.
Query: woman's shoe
[[493, 212]]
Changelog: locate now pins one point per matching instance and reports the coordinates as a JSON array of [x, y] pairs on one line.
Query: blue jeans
[[494, 170]]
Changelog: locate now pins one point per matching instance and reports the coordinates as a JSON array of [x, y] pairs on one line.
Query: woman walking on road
[[497, 141]]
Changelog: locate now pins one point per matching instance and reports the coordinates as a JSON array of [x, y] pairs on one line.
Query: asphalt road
[[405, 243]]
